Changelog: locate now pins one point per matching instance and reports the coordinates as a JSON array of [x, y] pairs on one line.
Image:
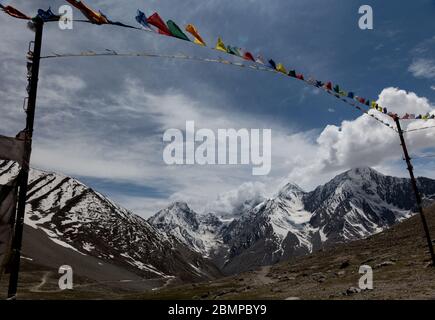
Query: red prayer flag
[[328, 86], [15, 13], [158, 22], [248, 56]]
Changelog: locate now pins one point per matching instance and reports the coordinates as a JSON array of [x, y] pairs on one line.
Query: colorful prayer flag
[[234, 51], [280, 68], [272, 64], [48, 15], [158, 22], [197, 38], [328, 86], [260, 60], [221, 46], [14, 12], [141, 18], [176, 31], [93, 16], [248, 56], [292, 73]]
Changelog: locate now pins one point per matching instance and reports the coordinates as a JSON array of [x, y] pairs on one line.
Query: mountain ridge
[[353, 205], [82, 220]]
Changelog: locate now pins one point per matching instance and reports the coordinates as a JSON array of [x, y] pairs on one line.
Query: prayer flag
[[93, 16], [176, 31], [197, 38], [157, 22], [221, 46]]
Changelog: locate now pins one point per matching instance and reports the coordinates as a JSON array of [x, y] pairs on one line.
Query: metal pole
[[24, 172], [415, 189]]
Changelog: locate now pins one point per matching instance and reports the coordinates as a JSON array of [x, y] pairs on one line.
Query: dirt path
[[38, 287], [261, 276]]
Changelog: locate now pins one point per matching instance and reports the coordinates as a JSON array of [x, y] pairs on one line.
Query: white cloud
[[236, 200], [363, 141], [423, 68], [401, 102]]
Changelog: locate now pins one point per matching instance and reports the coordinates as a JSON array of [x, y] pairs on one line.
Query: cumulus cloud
[[363, 141], [237, 200]]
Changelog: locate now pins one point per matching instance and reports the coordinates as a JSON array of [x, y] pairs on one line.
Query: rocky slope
[[86, 223], [398, 257]]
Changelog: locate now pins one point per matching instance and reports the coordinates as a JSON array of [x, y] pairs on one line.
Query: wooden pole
[[415, 189], [24, 172]]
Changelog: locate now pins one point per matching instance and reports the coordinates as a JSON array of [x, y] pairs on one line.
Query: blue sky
[[102, 119]]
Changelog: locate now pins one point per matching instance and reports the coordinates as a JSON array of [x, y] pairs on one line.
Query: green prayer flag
[[234, 51], [176, 31]]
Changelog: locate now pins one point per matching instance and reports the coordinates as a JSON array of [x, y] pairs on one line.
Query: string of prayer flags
[[197, 38], [14, 12], [158, 22], [176, 31], [91, 15], [170, 28], [221, 46]]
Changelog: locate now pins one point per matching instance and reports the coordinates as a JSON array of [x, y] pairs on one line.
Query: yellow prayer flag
[[221, 46], [280, 68]]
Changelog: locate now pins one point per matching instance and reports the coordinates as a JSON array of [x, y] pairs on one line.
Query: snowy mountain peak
[[180, 205], [175, 215], [290, 190], [363, 173], [198, 232]]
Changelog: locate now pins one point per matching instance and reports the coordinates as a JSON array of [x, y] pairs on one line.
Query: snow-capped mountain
[[201, 233], [353, 205], [77, 218]]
